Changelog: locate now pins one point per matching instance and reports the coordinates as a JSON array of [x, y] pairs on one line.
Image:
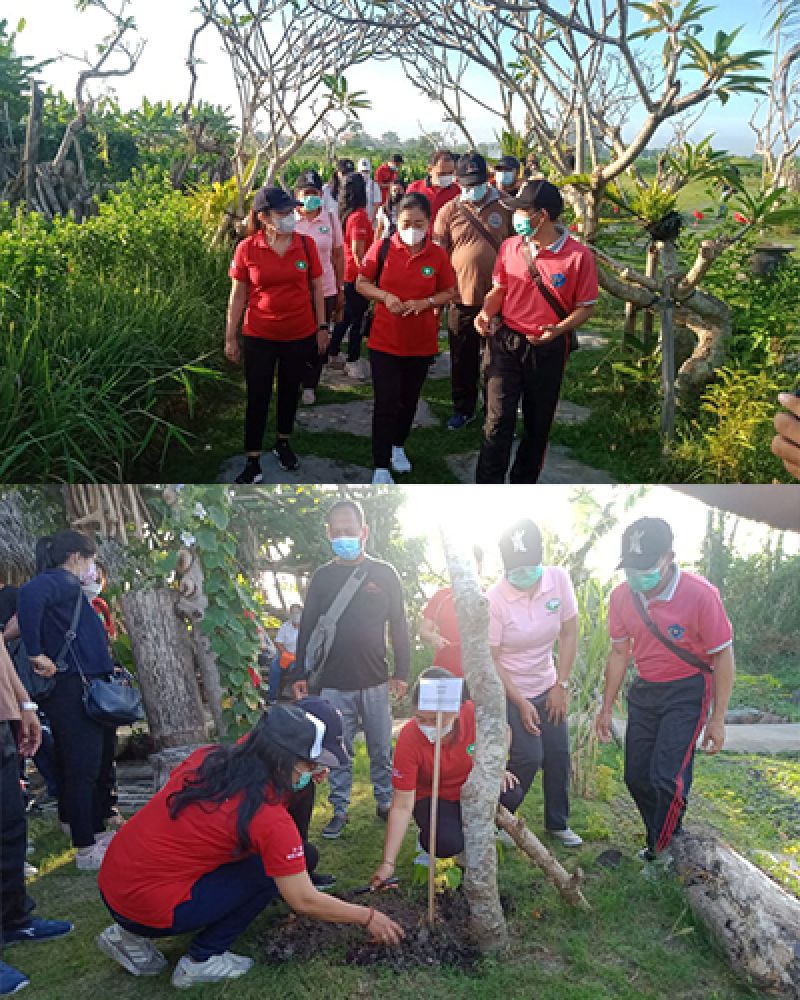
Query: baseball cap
[[471, 168], [644, 542], [308, 179], [507, 163], [521, 545], [275, 199], [364, 164], [299, 732], [536, 195], [332, 718]]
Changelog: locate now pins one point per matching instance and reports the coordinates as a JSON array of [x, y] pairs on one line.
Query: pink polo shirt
[[568, 270], [524, 624], [326, 231], [689, 611]]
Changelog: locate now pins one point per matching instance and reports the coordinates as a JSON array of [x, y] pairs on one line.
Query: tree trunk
[[209, 672], [481, 790], [164, 661], [31, 153], [751, 918]]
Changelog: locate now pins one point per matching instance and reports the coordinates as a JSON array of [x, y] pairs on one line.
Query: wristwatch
[[432, 303], [563, 684], [29, 706]]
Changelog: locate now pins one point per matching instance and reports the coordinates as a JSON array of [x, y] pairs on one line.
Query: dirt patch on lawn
[[446, 944]]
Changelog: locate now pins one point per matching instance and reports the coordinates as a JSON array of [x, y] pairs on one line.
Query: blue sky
[[396, 105]]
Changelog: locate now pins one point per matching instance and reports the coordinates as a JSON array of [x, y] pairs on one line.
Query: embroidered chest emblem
[[495, 220], [559, 280], [676, 632], [471, 749], [300, 265], [324, 229], [427, 270], [553, 605]]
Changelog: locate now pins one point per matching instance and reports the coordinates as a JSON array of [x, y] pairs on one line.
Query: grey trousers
[[370, 707]]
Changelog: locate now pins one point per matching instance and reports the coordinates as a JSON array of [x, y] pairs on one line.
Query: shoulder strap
[[475, 222], [554, 303], [71, 634], [383, 253], [682, 654], [346, 594]]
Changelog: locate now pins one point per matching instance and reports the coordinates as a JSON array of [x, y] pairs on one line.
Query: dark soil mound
[[447, 943]]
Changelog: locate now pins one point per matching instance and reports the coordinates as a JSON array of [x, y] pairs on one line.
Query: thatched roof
[[777, 506]]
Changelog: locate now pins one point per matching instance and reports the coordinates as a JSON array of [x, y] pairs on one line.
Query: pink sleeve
[[715, 628], [495, 621], [586, 289], [569, 602], [617, 629], [238, 269], [499, 276]]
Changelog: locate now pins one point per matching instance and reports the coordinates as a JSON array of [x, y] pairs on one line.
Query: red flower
[[698, 214], [574, 227], [255, 677], [248, 614], [741, 219], [615, 210]]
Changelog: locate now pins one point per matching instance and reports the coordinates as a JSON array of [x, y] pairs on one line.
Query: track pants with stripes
[[664, 723]]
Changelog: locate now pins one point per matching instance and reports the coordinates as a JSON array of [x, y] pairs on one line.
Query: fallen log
[[750, 917], [568, 885]]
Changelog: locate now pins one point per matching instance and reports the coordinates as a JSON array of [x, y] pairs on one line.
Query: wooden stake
[[437, 755]]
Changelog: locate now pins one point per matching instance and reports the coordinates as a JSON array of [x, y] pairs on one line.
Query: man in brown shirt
[[471, 229]]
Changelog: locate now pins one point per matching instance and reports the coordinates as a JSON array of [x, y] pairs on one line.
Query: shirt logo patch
[[676, 632], [495, 220], [553, 605], [559, 280], [300, 265], [324, 229], [295, 853], [427, 270], [471, 749]]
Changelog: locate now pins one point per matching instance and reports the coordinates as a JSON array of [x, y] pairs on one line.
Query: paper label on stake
[[440, 694]]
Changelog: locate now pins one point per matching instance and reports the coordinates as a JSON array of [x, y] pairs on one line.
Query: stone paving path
[[765, 739], [558, 468]]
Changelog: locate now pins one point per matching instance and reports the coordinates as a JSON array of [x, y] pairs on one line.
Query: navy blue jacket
[[45, 607]]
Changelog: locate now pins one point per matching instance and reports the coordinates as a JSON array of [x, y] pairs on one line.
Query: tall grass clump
[[106, 329]]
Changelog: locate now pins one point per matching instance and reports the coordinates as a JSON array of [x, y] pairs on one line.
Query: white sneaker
[[354, 369], [89, 859], [309, 397], [104, 838], [567, 837], [66, 829], [135, 954], [30, 870], [400, 462], [505, 838], [216, 969], [382, 477]]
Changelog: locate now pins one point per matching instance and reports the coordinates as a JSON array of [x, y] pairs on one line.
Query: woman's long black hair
[[256, 768], [352, 196], [54, 550], [343, 168]]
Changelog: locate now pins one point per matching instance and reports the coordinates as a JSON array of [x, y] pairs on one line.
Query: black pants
[[397, 383], [16, 905], [80, 748], [449, 829], [261, 358], [664, 724], [355, 306], [316, 361], [514, 368], [548, 751], [465, 357]]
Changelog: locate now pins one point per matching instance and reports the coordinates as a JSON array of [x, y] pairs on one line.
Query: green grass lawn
[[638, 937]]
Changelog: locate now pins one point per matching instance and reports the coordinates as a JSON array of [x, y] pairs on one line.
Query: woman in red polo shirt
[[277, 279], [215, 846], [416, 280], [412, 779]]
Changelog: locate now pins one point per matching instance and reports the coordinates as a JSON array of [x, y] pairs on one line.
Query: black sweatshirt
[[358, 655]]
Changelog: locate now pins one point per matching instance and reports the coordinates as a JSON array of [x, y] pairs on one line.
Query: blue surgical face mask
[[522, 224], [312, 202], [302, 781], [642, 580], [504, 177], [346, 548], [475, 193], [524, 577]]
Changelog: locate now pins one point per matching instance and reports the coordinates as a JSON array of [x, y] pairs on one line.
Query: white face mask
[[504, 177], [412, 236], [444, 180], [92, 590], [284, 223], [430, 731]]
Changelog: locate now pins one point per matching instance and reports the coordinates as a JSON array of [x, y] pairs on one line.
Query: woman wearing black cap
[[530, 609], [277, 279], [214, 847]]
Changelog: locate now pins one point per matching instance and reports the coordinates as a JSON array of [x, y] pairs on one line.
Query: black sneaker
[[286, 457], [336, 826], [251, 473], [382, 812], [322, 882]]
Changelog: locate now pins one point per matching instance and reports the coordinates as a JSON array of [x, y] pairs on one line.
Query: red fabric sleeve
[[314, 265], [716, 628], [586, 288], [277, 840], [617, 629], [369, 266], [405, 765], [238, 269]]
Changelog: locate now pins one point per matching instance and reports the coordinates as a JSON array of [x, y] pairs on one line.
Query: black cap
[[521, 545], [537, 195], [308, 179], [332, 717], [273, 198], [299, 732], [507, 163], [345, 166], [644, 542], [471, 168]]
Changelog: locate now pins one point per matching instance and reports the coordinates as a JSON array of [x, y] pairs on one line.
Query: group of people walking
[[359, 257], [229, 831]]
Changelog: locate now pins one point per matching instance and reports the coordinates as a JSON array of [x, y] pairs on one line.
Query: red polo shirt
[[568, 269], [412, 769], [279, 303], [357, 229], [437, 196], [408, 276]]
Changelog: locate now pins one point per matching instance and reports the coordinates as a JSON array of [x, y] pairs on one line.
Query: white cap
[[364, 164]]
